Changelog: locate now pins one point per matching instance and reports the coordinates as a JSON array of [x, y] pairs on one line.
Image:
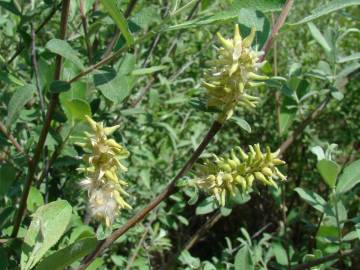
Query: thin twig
[[12, 139], [36, 72], [86, 34], [193, 239], [39, 147], [279, 23], [325, 259], [304, 124], [137, 249], [21, 46]]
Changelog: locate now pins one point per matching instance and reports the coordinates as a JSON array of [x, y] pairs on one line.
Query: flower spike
[[104, 187], [233, 73], [222, 176]]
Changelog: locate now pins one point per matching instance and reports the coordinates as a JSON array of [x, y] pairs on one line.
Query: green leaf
[[21, 96], [119, 18], [171, 132], [59, 86], [65, 257], [329, 171], [206, 206], [146, 16], [327, 9], [243, 259], [319, 37], [352, 57], [315, 200], [280, 253], [318, 151], [34, 200], [242, 123], [10, 79], [7, 177], [76, 109], [47, 226], [349, 178], [144, 71], [61, 47], [114, 87]]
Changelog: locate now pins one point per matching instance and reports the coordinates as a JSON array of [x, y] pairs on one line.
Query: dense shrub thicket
[[134, 136]]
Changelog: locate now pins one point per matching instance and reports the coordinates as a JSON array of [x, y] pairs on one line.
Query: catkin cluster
[[232, 74], [104, 187], [222, 176]]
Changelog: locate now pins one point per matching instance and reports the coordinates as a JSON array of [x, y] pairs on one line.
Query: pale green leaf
[[76, 109], [206, 206], [243, 259], [48, 224], [280, 253], [145, 71], [34, 200], [315, 32], [349, 178], [61, 47], [315, 200], [329, 171], [352, 57], [242, 123], [114, 87]]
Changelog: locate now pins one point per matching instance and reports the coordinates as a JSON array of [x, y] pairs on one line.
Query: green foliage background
[[153, 90]]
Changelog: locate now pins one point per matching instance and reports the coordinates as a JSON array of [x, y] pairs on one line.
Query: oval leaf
[[329, 171], [47, 226], [64, 257], [61, 47], [349, 178]]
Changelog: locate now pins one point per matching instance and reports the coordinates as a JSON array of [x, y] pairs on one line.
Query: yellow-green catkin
[[104, 187], [223, 176], [233, 74]]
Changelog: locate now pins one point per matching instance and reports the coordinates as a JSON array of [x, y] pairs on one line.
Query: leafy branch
[[171, 188], [45, 129]]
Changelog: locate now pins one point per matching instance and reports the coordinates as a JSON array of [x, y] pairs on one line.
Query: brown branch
[[21, 47], [45, 128], [12, 139], [325, 259], [279, 23]]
